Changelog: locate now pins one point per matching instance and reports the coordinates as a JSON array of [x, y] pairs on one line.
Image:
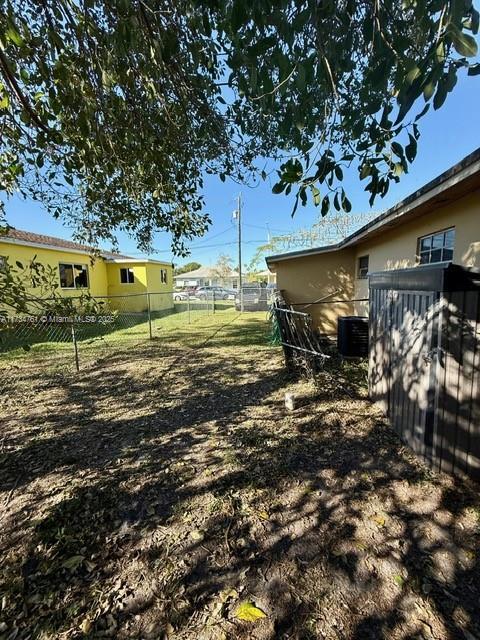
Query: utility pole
[[239, 219]]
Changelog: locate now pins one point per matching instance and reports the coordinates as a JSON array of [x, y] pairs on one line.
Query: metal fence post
[[149, 317], [188, 306], [213, 302], [75, 346]]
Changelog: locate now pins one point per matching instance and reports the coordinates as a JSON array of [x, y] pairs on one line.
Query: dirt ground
[[166, 490]]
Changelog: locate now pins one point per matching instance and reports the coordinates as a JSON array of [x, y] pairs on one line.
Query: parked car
[[220, 293], [255, 298], [181, 296]]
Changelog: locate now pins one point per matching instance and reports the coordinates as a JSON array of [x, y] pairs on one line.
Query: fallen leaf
[[197, 534], [249, 612], [263, 515], [399, 580], [379, 520], [86, 626], [226, 594], [73, 562]]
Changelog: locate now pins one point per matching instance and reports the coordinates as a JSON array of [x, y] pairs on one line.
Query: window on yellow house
[[3, 262], [73, 276], [163, 276], [126, 275]]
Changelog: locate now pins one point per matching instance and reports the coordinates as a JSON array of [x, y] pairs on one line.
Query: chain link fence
[[134, 317]]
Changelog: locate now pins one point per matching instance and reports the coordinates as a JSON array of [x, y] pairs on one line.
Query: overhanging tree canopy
[[112, 111]]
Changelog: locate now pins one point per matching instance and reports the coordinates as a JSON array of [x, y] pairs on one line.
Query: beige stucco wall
[[306, 280], [397, 248]]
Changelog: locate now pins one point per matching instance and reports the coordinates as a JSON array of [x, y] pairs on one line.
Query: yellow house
[[123, 280], [440, 222]]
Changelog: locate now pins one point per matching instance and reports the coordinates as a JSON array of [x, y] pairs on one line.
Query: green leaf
[[300, 78], [428, 90], [301, 19], [365, 170], [464, 43], [13, 34], [413, 74], [411, 148], [398, 169], [248, 612], [440, 96], [325, 205], [474, 70], [474, 20], [346, 204], [397, 149], [315, 194], [336, 202], [422, 112], [279, 187]]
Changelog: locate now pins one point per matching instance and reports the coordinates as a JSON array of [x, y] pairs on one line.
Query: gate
[[424, 369]]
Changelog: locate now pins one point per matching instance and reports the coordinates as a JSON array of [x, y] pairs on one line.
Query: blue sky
[[446, 137]]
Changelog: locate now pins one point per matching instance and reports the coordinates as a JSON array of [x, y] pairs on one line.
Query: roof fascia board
[[430, 191], [135, 261]]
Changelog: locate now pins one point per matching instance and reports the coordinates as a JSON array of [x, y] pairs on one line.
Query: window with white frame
[[362, 269], [126, 275], [73, 276], [436, 247], [163, 276]]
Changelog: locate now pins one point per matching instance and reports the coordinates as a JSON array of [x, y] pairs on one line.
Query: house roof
[[204, 272], [454, 183], [17, 236]]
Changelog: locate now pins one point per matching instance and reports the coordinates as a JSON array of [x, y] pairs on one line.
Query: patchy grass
[[165, 492]]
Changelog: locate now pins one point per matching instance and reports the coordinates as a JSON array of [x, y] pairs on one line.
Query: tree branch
[[12, 83]]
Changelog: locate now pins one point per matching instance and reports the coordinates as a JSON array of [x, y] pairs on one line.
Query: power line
[[256, 226]]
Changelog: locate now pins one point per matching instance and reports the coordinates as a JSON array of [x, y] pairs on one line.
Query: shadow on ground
[[151, 494]]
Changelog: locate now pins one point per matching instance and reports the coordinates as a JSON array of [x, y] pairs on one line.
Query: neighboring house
[[265, 276], [204, 277], [439, 222], [108, 274]]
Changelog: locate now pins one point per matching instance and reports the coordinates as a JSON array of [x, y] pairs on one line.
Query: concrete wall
[[304, 281], [97, 269]]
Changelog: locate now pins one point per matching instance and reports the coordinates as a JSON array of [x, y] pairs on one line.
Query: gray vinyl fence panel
[[424, 361]]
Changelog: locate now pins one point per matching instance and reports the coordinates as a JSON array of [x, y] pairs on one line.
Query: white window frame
[[360, 275], [128, 270], [441, 232], [72, 265]]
